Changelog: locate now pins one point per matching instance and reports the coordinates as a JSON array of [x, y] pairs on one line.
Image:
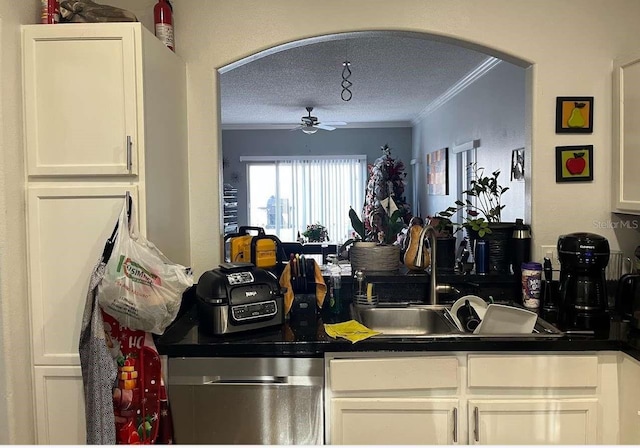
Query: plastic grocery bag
[[141, 288]]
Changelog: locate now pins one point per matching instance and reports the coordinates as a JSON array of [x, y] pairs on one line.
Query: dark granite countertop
[[308, 339]]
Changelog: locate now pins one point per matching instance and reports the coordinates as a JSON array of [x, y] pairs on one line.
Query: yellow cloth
[[285, 282], [350, 330]]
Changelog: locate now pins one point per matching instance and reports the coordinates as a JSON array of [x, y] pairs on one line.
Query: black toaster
[[238, 297]]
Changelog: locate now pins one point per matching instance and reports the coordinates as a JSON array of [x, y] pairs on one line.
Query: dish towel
[[350, 330], [285, 282]]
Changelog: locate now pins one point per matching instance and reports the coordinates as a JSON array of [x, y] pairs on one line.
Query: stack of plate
[[362, 300]]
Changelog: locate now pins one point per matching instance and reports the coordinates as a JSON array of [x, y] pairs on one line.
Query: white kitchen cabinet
[[629, 396], [81, 97], [626, 134], [471, 398], [105, 114], [394, 421], [532, 422], [60, 410], [67, 227], [395, 400]]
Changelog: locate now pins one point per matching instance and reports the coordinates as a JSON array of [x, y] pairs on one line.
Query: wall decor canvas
[[517, 165], [574, 115], [574, 163], [438, 172]]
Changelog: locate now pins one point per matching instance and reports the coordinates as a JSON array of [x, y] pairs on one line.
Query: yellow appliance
[[260, 249]]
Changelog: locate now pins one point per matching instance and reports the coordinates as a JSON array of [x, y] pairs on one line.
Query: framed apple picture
[[574, 163], [574, 115]]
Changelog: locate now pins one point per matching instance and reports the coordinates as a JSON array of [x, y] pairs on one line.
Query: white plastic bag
[[142, 289]]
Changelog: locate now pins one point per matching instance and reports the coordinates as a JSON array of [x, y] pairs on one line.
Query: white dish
[[478, 304], [503, 319]]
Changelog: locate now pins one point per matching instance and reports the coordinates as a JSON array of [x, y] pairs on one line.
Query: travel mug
[[468, 317], [481, 256], [531, 284]]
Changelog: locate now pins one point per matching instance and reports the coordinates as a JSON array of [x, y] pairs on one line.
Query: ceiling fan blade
[[334, 123], [324, 126], [298, 127]]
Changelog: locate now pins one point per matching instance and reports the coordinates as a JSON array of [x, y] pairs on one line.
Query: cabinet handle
[[476, 422], [455, 425], [129, 154]]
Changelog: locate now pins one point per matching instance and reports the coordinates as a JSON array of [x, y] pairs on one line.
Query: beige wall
[[16, 419], [570, 42]]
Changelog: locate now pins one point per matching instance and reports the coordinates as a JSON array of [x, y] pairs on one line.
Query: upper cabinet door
[[80, 90], [626, 135]]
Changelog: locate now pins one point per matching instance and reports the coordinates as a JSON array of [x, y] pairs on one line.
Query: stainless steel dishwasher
[[274, 401]]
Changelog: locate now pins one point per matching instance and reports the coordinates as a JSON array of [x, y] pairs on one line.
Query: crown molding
[[458, 87]]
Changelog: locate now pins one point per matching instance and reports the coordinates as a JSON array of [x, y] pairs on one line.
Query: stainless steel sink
[[430, 321], [415, 321]]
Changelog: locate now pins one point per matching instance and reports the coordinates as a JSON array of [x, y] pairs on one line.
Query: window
[[286, 194]]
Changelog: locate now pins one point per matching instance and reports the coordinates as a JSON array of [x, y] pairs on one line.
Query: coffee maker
[[583, 297]]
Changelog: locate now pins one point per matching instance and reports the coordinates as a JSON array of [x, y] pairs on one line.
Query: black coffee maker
[[583, 296]]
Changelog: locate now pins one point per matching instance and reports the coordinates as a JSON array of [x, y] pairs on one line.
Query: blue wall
[[367, 141], [492, 109]]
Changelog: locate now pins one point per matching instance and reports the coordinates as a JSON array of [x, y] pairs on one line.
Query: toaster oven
[[238, 297]]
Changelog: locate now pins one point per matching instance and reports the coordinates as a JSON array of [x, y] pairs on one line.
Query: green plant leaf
[[356, 223]]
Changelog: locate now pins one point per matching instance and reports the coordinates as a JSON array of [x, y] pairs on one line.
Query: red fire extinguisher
[[162, 16]]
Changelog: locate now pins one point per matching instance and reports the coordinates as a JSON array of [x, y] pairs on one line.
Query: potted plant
[[316, 233], [487, 207], [483, 207]]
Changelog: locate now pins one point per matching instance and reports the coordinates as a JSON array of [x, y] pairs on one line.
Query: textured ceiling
[[394, 79]]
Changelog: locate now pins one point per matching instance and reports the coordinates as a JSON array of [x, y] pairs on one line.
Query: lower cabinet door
[[629, 396], [393, 421], [68, 225], [59, 405], [533, 422]]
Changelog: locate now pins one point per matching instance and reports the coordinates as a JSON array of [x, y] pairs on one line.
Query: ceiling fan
[[310, 124]]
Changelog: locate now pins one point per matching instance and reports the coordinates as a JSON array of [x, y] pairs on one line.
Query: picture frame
[[517, 165], [574, 163], [438, 172], [574, 115]]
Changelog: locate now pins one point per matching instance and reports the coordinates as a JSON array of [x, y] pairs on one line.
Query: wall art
[[438, 172], [574, 115], [517, 165], [574, 163]]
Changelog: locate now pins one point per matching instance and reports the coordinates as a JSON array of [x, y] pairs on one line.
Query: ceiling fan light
[[309, 130]]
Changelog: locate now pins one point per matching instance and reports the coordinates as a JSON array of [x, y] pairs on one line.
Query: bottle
[[163, 19], [50, 11], [531, 284], [335, 303], [520, 246]]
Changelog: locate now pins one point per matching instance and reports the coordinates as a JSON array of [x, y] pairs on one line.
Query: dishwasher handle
[[246, 380]]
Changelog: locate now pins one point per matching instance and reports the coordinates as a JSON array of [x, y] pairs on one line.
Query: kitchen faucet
[[434, 288]]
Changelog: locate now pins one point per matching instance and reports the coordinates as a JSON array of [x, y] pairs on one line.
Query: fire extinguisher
[[162, 17], [50, 11]]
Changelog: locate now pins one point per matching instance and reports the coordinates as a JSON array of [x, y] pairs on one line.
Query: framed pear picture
[[574, 163], [574, 115]]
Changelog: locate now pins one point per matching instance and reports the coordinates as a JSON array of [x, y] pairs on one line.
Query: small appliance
[[238, 297], [628, 299], [583, 297]]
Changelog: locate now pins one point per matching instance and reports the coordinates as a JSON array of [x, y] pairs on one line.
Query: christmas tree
[[385, 208]]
